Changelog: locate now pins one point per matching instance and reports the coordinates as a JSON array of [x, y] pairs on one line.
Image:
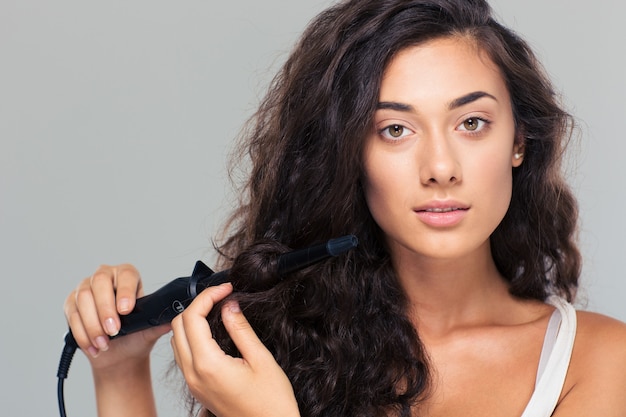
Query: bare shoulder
[[596, 380], [600, 338], [599, 350], [600, 332]]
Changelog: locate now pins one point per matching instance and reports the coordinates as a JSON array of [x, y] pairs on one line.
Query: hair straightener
[[167, 302]]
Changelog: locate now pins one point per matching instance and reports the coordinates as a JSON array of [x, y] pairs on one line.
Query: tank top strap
[[555, 358]]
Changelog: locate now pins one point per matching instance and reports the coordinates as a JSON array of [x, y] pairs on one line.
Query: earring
[[518, 155]]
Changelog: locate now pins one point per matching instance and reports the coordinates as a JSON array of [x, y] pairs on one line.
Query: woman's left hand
[[253, 385]]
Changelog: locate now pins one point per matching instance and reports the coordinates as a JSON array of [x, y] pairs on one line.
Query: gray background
[[115, 121]]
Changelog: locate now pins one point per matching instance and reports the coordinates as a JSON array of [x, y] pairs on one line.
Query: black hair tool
[[167, 302]]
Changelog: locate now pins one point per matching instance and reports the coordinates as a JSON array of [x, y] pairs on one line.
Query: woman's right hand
[[93, 312]]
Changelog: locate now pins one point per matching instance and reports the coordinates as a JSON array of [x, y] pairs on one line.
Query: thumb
[[243, 335]]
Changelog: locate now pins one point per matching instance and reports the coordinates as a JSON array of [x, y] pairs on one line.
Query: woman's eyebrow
[[393, 105], [469, 98], [456, 103]]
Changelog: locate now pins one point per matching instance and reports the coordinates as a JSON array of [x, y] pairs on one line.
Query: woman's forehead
[[443, 67]]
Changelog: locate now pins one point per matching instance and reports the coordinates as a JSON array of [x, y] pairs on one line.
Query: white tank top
[[554, 360]]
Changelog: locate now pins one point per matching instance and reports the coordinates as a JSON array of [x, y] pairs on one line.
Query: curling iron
[[161, 306]]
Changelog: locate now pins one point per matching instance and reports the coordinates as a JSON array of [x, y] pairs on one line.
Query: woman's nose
[[439, 163]]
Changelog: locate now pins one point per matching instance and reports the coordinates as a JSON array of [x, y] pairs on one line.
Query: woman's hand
[[121, 367], [93, 312], [253, 385]]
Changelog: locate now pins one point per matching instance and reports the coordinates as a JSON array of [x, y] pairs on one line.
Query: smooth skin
[[438, 168]]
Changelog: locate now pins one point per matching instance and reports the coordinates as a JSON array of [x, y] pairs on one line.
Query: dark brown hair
[[339, 329]]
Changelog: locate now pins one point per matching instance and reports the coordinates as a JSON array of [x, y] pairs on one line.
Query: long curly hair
[[339, 329]]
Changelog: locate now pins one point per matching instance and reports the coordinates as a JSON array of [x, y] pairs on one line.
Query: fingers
[[243, 335], [193, 338], [219, 381], [92, 310], [192, 334], [76, 320], [114, 289], [128, 286]]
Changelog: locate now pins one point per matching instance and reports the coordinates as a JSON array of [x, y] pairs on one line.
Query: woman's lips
[[442, 215]]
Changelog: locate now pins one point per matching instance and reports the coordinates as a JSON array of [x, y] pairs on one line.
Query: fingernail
[[102, 343], [123, 305], [233, 306], [93, 351], [110, 327]]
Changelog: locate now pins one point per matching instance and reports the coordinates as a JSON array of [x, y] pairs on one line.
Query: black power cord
[[64, 367]]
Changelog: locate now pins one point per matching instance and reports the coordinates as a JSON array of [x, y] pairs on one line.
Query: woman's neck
[[448, 294]]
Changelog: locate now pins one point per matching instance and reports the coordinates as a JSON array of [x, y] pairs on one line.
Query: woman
[[432, 133]]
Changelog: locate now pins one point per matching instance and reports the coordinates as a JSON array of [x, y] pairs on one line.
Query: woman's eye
[[394, 132], [473, 124]]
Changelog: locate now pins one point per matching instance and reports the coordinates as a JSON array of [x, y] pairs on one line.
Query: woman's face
[[438, 164]]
